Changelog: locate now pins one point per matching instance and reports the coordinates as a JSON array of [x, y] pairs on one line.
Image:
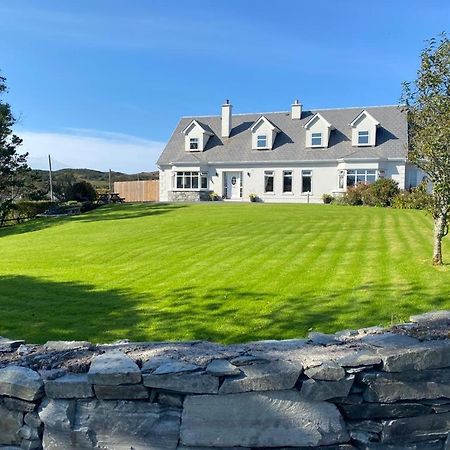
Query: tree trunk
[[439, 232]]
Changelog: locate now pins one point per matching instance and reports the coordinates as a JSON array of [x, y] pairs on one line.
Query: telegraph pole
[[50, 176]]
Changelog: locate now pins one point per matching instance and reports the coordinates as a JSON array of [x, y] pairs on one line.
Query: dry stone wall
[[358, 389]]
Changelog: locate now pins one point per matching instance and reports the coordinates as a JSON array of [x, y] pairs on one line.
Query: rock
[[315, 390], [10, 424], [52, 374], [165, 398], [34, 444], [63, 346], [245, 360], [359, 358], [175, 367], [365, 425], [32, 419], [431, 318], [384, 411], [433, 355], [413, 429], [123, 392], [274, 376], [433, 444], [328, 371], [222, 368], [68, 440], [113, 368], [21, 382], [193, 383], [147, 425], [57, 414], [154, 363], [321, 338], [275, 419], [392, 387], [389, 340], [9, 345], [27, 432], [69, 386], [15, 404]]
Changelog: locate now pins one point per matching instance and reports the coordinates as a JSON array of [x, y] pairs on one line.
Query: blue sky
[[102, 83]]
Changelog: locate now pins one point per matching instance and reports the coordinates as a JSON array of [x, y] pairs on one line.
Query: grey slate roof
[[290, 142]]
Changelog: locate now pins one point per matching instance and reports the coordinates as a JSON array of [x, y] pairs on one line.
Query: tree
[[82, 191], [14, 171], [427, 102]]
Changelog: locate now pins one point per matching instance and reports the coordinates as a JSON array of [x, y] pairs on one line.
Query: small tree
[[82, 191], [427, 101], [14, 172]]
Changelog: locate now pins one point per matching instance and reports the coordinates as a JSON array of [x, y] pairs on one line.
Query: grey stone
[[316, 390], [389, 340], [68, 440], [63, 346], [16, 404], [432, 355], [9, 345], [122, 392], [52, 374], [364, 437], [57, 414], [222, 368], [365, 425], [154, 363], [413, 429], [113, 368], [431, 317], [321, 338], [69, 386], [433, 444], [245, 360], [327, 371], [359, 358], [183, 447], [384, 411], [32, 419], [263, 419], [34, 444], [391, 387], [10, 424], [175, 367], [274, 376], [27, 432], [21, 382], [148, 425], [194, 383], [164, 398]]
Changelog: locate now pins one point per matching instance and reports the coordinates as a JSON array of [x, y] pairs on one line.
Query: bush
[[82, 191], [381, 193], [327, 198], [417, 198], [355, 194]]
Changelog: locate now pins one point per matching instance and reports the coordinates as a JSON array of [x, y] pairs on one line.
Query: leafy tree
[[82, 191], [427, 101], [14, 171]]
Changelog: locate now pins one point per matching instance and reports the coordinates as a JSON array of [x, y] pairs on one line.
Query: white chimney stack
[[296, 110], [226, 118]]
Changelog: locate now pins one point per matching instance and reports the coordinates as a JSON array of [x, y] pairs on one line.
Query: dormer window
[[363, 137], [193, 143], [316, 139], [261, 141]]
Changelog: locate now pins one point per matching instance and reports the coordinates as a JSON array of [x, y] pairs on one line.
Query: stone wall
[[358, 389], [189, 196]]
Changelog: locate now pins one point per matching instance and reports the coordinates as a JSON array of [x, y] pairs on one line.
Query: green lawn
[[222, 272]]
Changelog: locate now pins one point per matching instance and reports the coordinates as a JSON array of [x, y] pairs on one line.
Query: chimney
[[296, 110], [226, 118]]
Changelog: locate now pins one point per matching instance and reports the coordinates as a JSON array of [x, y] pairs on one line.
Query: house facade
[[289, 156]]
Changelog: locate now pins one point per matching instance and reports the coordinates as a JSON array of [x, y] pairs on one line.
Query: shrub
[[417, 198], [381, 193], [82, 191], [355, 194], [327, 198]]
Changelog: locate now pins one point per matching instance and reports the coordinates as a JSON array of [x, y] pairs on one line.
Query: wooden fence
[[138, 191]]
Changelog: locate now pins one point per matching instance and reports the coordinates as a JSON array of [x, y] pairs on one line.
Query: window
[[287, 181], [363, 137], [193, 143], [306, 181], [366, 176], [191, 180], [316, 139], [261, 141], [268, 181]]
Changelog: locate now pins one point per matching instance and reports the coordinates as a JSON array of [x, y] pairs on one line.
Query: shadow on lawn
[[39, 310], [116, 212]]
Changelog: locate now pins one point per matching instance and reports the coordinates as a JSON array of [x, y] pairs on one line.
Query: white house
[[294, 156]]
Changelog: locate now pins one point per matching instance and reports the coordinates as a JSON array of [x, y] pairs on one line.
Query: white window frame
[[190, 175], [304, 174], [359, 173], [261, 138], [193, 141], [366, 135], [316, 135], [269, 173]]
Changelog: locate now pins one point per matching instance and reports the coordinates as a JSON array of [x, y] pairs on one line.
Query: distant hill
[[98, 179]]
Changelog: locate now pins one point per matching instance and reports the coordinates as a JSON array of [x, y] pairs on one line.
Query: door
[[234, 185]]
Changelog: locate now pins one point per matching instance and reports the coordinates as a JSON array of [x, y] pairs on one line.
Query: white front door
[[234, 185]]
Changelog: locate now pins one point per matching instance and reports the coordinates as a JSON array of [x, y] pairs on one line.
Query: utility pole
[[110, 186], [50, 176]]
